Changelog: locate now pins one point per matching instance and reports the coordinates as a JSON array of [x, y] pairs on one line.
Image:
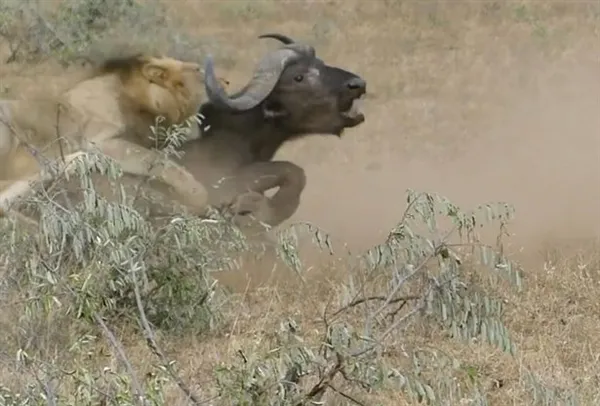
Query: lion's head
[[158, 85]]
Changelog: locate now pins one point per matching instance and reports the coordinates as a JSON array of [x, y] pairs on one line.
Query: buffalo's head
[[296, 90]]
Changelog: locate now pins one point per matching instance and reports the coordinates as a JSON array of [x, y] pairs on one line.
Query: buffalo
[[292, 94]]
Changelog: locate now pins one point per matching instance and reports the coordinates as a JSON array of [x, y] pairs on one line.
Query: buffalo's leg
[[250, 182]]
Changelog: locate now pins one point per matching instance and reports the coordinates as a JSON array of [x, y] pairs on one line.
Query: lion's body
[[36, 125], [113, 109]]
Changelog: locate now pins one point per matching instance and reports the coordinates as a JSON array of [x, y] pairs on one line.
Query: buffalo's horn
[[280, 37], [265, 78]]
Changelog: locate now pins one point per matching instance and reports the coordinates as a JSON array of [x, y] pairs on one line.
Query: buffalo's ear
[[273, 110]]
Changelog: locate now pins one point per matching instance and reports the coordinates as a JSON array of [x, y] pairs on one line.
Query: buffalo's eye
[[299, 78]]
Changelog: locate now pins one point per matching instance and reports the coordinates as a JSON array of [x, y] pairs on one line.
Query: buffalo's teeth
[[355, 109]]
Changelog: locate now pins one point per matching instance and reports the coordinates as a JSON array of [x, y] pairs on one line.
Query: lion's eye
[[299, 78]]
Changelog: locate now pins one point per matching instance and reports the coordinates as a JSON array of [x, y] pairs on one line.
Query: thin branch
[[49, 392], [350, 398], [414, 272], [388, 331], [356, 302], [391, 234], [392, 314], [318, 390], [135, 384], [151, 341], [400, 320]]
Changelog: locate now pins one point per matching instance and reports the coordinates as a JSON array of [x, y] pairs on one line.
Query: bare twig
[[400, 320], [356, 302], [392, 314], [390, 236], [57, 131], [135, 384], [48, 390], [151, 341], [318, 390], [388, 331], [350, 398], [410, 275]]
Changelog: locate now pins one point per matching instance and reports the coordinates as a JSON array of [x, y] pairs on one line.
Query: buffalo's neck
[[230, 142], [247, 133], [266, 141]]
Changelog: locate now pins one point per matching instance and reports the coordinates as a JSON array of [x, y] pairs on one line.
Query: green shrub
[[88, 30]]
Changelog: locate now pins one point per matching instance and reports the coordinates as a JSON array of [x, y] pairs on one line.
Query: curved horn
[[290, 43], [262, 83], [279, 37]]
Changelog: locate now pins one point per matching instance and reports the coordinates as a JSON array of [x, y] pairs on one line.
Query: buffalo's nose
[[356, 83]]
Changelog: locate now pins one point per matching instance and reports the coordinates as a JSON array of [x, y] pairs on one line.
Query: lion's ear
[[155, 73], [190, 66]]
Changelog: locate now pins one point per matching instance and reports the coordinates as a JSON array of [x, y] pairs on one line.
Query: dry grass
[[479, 101]]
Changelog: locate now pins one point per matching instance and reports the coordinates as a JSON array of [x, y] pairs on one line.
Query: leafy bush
[[95, 264], [100, 261], [412, 275], [88, 29], [103, 263]]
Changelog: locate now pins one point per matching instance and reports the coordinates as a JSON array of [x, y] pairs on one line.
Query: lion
[[113, 110]]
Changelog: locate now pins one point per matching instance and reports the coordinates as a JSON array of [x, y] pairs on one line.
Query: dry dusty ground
[[478, 101]]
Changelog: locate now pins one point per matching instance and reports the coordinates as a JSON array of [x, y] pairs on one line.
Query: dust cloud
[[539, 152]]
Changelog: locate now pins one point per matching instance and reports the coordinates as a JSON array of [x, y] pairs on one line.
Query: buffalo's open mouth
[[351, 111]]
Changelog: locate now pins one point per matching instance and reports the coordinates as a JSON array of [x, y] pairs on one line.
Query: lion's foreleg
[[253, 180], [21, 187], [137, 160]]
